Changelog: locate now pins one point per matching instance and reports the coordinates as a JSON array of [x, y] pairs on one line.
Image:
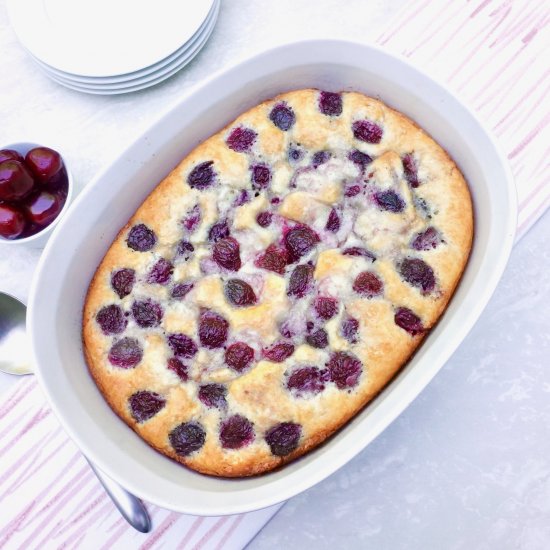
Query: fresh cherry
[[10, 154], [42, 209], [16, 182], [44, 163], [12, 221]]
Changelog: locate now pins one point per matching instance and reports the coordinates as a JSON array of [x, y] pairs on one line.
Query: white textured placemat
[[50, 498], [493, 54]]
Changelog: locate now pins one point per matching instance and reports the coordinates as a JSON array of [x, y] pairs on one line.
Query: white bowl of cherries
[[35, 190]]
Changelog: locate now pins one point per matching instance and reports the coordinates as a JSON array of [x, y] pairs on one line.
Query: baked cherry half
[[239, 356], [282, 116], [239, 293], [283, 438], [299, 241], [187, 438], [213, 329], [236, 432], [145, 404]]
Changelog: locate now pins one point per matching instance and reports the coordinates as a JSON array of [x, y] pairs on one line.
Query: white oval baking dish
[[82, 237]]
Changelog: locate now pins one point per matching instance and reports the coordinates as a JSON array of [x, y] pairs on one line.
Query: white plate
[[139, 83], [148, 71], [105, 37], [92, 222]]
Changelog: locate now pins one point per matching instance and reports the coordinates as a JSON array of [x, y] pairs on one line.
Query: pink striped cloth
[[50, 498], [492, 53]]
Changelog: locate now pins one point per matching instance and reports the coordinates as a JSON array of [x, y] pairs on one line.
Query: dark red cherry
[[213, 396], [409, 321], [226, 253], [306, 380], [282, 116], [318, 339], [42, 209], [333, 222], [192, 219], [181, 290], [161, 273], [242, 198], [330, 104], [283, 438], [16, 182], [263, 219], [359, 251], [360, 158], [273, 259], [12, 221], [426, 240], [238, 356], [241, 139], [187, 438], [320, 158], [111, 319], [326, 307], [176, 366], [236, 432], [261, 176], [418, 274], [182, 345], [300, 281], [350, 328], [344, 370], [368, 284], [299, 241], [10, 154], [202, 176], [123, 281], [279, 352], [239, 293], [147, 313], [218, 231], [368, 131], [410, 170], [44, 163], [390, 201], [213, 329], [141, 238], [352, 190], [125, 353], [145, 404], [184, 250]]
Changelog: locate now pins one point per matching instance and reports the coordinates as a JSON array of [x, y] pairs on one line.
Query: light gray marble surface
[[467, 465]]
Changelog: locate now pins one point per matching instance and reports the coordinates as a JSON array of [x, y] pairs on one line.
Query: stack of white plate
[[112, 46]]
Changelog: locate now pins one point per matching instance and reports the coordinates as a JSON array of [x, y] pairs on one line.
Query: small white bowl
[[38, 240]]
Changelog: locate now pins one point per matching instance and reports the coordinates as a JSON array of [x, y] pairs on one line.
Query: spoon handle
[[130, 507]]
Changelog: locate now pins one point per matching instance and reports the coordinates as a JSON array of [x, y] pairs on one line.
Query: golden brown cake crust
[[350, 226]]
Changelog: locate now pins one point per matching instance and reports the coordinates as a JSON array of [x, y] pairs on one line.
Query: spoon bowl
[[15, 355]]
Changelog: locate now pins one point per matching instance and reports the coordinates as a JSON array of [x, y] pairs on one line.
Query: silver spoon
[[15, 359]]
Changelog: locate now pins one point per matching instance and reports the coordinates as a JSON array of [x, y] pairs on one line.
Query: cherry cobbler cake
[[276, 280]]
